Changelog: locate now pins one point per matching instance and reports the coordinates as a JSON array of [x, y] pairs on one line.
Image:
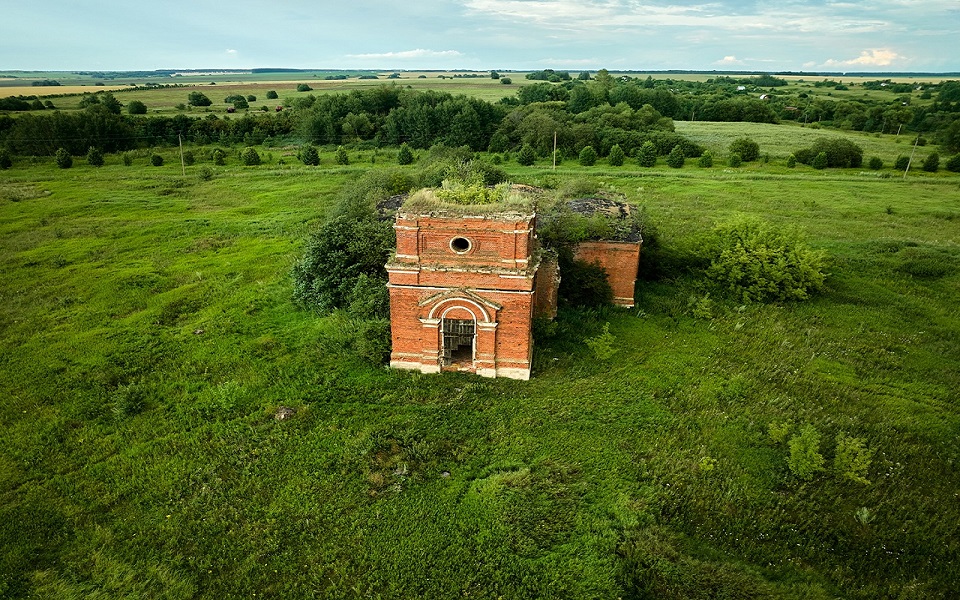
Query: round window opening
[[460, 245]]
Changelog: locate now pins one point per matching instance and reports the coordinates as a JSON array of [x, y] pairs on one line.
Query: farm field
[[149, 339]]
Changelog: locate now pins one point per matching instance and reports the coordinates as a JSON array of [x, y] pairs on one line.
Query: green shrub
[[953, 165], [791, 161], [839, 152], [876, 163], [341, 157], [198, 99], [602, 345], [156, 160], [405, 156], [588, 156], [63, 158], [820, 161], [5, 161], [852, 459], [205, 173], [805, 459], [526, 156], [506, 80], [615, 157], [748, 149], [95, 157], [734, 160], [127, 159], [308, 155], [136, 107], [219, 156], [676, 158], [249, 156], [272, 95], [304, 88], [931, 164], [189, 158], [647, 155], [757, 263], [705, 161]]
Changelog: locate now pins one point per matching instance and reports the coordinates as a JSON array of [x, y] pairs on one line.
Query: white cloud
[[231, 52], [728, 61], [410, 54], [873, 57]]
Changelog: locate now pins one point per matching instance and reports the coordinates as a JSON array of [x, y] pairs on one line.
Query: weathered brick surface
[[620, 260]]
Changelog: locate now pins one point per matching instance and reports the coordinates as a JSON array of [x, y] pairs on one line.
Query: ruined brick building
[[466, 283]]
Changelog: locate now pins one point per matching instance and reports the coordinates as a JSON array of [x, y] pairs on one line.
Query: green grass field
[[148, 339]]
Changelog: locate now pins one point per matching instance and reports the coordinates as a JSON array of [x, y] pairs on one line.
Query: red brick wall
[[620, 260]]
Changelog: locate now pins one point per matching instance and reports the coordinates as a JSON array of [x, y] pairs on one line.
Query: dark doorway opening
[[458, 335]]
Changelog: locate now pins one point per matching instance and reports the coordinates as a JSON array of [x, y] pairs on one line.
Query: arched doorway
[[458, 341]]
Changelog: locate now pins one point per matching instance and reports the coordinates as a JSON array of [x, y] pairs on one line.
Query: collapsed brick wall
[[620, 260]]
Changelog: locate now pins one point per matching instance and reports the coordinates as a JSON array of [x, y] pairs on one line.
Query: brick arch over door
[[441, 309]]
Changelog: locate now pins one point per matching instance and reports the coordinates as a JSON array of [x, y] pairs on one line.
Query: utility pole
[[554, 150], [909, 162], [183, 168]]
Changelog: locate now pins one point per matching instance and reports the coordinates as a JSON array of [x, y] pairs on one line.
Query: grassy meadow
[[149, 340]]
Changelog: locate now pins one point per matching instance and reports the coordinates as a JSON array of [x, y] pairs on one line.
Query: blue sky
[[763, 35]]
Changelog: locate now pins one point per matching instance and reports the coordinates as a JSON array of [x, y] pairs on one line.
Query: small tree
[[5, 161], [705, 161], [526, 156], [189, 158], [931, 164], [309, 156], [127, 159], [748, 149], [805, 459], [791, 161], [494, 75], [95, 157], [588, 156], [240, 102], [251, 98], [852, 459], [616, 156], [272, 95], [198, 99], [341, 157], [63, 158], [506, 80], [219, 157], [820, 161], [734, 160], [647, 155], [876, 163], [156, 160], [405, 156], [676, 159], [953, 165], [250, 157], [304, 88], [901, 163], [135, 107]]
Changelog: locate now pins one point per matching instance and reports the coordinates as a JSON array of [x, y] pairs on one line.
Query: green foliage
[[341, 157], [343, 265], [705, 161], [205, 173], [603, 345], [95, 157], [838, 151], [676, 158], [240, 103], [647, 155], [734, 160], [820, 161], [931, 164], [852, 459], [404, 156], [156, 160], [748, 149], [219, 156], [63, 158], [189, 158], [757, 263], [272, 95], [588, 156], [5, 160], [249, 156], [136, 107], [198, 99], [251, 98], [791, 161], [901, 163], [346, 333], [778, 432], [805, 459], [616, 156], [506, 80], [303, 87], [526, 156], [127, 159], [876, 163], [953, 164], [308, 155]]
